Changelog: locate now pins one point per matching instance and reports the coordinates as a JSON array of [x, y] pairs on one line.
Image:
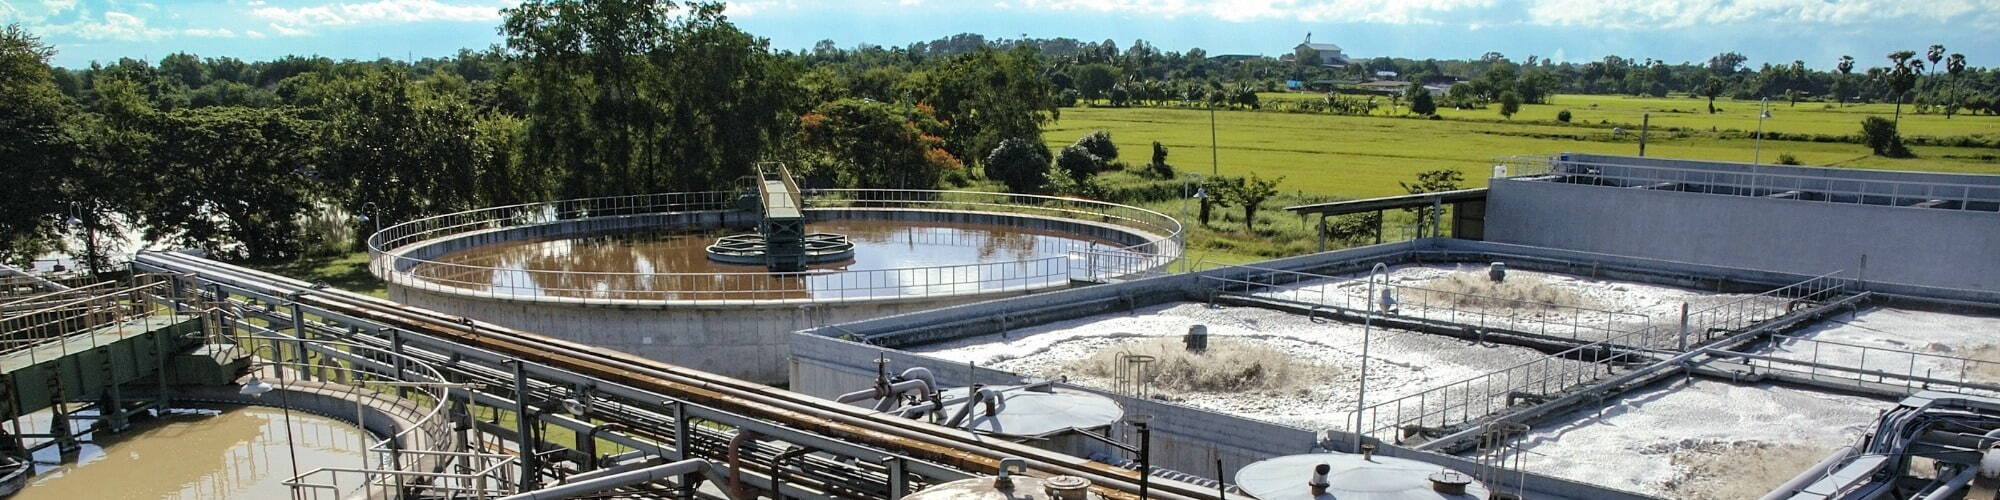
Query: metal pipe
[[738, 402], [1944, 491], [589, 487], [988, 396], [1810, 474], [736, 444], [889, 394]]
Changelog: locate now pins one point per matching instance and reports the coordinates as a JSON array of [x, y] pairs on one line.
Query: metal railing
[[1864, 365], [1441, 409], [405, 461], [389, 249], [1749, 183], [1485, 313], [1720, 320], [78, 324]]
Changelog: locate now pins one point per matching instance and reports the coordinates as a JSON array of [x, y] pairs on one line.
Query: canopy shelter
[[1468, 210]]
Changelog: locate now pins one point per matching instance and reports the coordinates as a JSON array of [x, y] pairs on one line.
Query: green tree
[[399, 153], [1510, 103], [1846, 68], [1251, 193], [874, 145], [1158, 167], [1432, 181], [39, 157], [1077, 163], [1421, 102], [1711, 89], [1021, 164], [986, 96], [1954, 67], [641, 96], [1901, 77], [1882, 138], [1095, 80], [241, 181], [1099, 143]]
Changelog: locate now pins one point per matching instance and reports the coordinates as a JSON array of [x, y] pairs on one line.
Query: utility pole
[[1645, 125], [1214, 162]]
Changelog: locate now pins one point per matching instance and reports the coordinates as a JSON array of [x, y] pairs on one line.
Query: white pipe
[[577, 489]]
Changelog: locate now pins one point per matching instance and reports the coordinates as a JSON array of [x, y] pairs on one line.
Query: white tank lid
[[1349, 478]]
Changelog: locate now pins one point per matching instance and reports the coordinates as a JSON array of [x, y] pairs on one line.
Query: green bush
[[1562, 116], [1021, 164], [1880, 135], [1099, 143]]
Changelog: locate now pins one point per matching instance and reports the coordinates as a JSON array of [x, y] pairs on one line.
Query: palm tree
[[1902, 75], [1712, 88], [1935, 54], [1846, 67], [1953, 67]]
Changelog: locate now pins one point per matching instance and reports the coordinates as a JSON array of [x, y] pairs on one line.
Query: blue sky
[[1816, 31]]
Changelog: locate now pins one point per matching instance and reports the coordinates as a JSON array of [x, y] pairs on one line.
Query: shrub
[[1880, 135], [1510, 103], [1787, 159], [1077, 162], [1159, 167], [1021, 164], [1562, 116], [1099, 143]]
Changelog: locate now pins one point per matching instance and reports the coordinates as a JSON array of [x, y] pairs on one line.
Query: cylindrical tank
[[1011, 484], [1039, 415], [1326, 476]]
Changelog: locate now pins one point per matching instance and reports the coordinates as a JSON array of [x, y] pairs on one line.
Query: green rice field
[[1322, 155]]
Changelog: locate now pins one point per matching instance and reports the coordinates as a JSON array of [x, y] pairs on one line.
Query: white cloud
[[297, 20], [113, 26], [740, 8], [284, 31], [31, 11], [1371, 11], [253, 34], [1695, 13], [209, 33], [1611, 14]]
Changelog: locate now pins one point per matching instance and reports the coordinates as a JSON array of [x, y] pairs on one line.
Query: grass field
[[1362, 156], [1691, 113]]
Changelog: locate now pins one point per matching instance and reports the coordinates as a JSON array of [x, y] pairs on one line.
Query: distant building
[[1387, 75], [1322, 54], [1386, 87]]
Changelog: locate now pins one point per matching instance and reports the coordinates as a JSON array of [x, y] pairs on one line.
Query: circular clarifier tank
[[641, 274]]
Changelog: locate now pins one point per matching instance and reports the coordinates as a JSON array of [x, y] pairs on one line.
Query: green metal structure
[[96, 351]]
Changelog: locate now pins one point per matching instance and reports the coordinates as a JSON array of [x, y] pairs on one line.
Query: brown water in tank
[[240, 453], [646, 261]]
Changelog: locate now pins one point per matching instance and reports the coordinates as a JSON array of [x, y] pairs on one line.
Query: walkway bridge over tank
[[114, 347]]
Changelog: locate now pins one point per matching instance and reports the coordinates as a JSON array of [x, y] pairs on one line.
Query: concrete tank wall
[[741, 339], [1916, 246]]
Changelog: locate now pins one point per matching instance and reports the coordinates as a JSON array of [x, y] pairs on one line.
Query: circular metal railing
[[1152, 242]]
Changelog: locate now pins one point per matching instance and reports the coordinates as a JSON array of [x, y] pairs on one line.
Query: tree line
[[584, 99], [272, 160]]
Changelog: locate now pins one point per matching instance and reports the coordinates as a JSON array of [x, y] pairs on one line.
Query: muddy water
[[643, 265], [239, 453]]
